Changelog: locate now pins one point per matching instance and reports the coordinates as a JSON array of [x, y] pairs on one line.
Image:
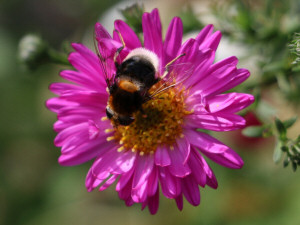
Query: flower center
[[158, 123]]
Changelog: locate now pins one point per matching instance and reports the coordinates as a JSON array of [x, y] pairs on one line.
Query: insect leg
[[167, 67], [119, 49]]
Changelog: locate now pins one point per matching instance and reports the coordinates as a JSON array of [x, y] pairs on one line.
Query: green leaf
[[286, 161], [284, 149], [294, 166], [290, 122], [281, 129], [277, 151], [253, 131]]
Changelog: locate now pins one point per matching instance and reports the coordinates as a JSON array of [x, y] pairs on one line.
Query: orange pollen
[[159, 123]]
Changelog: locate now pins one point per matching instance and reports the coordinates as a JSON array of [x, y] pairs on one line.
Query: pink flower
[[162, 148]]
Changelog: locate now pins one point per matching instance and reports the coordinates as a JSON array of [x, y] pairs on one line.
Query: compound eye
[[125, 120], [109, 114]]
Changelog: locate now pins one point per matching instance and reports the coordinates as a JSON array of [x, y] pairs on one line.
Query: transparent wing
[[178, 73], [105, 51]]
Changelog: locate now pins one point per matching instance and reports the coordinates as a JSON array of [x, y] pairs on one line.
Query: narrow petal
[[185, 148], [90, 72], [108, 182], [185, 66], [214, 149], [173, 40], [63, 136], [101, 32], [170, 185], [125, 192], [161, 157], [61, 88], [215, 122], [113, 162], [212, 41], [124, 179], [205, 59], [231, 102], [144, 168], [191, 191], [205, 141], [56, 104], [153, 202], [85, 152], [204, 33], [92, 60], [179, 202], [139, 194], [91, 182], [196, 166], [129, 36], [153, 182], [152, 32], [178, 167]]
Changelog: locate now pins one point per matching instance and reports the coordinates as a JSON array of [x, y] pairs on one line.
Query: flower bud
[[32, 50]]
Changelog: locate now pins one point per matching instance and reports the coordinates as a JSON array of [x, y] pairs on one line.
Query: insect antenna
[[102, 60]]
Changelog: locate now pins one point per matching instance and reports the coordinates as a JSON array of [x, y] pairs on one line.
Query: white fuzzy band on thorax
[[146, 54]]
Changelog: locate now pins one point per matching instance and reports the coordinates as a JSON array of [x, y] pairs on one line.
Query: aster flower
[[162, 148]]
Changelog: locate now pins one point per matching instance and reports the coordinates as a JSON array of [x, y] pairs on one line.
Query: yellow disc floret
[[158, 123]]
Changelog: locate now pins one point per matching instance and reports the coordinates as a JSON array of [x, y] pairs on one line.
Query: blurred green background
[[35, 190]]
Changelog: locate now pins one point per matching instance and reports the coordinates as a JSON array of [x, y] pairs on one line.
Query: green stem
[[57, 57]]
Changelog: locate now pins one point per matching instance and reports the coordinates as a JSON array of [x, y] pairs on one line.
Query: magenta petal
[[206, 58], [161, 157], [170, 185], [228, 158], [125, 192], [185, 66], [231, 102], [185, 148], [208, 177], [173, 40], [153, 202], [215, 122], [214, 149], [90, 58], [191, 191], [212, 42], [153, 182], [152, 32], [113, 162], [61, 88], [212, 181], [124, 179], [89, 71], [204, 33], [91, 182], [205, 141], [56, 104], [85, 152], [130, 38], [178, 167], [140, 193], [144, 166], [101, 32], [196, 166], [238, 77], [108, 182], [63, 136], [179, 202]]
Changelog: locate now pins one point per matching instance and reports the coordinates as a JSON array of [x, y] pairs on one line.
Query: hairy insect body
[[133, 79]]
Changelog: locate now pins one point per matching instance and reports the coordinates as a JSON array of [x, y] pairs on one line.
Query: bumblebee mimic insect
[[129, 86]]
